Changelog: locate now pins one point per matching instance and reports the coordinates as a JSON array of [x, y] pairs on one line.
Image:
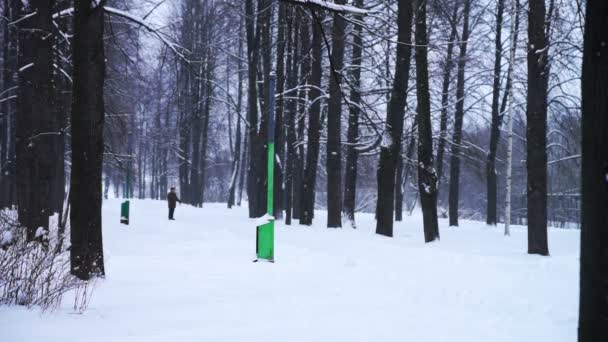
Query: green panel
[[124, 212], [265, 240]]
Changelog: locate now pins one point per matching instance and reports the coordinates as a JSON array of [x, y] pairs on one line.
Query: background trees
[[184, 104]]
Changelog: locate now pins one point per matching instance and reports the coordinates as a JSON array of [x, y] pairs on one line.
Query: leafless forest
[[464, 109]]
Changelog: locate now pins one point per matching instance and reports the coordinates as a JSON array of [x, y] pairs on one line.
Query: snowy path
[[193, 280]]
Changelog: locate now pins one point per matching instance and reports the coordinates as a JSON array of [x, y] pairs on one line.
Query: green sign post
[[265, 231], [124, 206], [124, 212]]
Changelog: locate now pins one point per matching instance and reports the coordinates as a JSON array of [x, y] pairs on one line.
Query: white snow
[[6, 238], [264, 219], [332, 6], [387, 140], [427, 188], [40, 232], [25, 67], [193, 280]]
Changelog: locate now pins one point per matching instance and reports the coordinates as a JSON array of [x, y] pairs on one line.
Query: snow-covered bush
[[34, 273]]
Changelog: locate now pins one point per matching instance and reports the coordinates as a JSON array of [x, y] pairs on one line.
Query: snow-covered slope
[[193, 280]]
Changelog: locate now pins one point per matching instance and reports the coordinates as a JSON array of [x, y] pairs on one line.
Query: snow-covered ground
[[193, 280]]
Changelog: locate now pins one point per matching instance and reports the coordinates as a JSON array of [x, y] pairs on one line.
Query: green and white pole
[[265, 231]]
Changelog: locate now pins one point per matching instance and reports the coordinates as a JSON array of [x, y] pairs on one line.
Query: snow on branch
[[64, 13], [147, 26], [330, 6], [139, 21]]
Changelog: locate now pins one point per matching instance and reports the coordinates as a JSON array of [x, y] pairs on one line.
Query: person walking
[[172, 200]]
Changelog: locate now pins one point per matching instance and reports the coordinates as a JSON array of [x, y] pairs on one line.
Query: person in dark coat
[[172, 199]]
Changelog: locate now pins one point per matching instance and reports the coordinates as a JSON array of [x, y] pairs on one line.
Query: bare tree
[[391, 146], [87, 120], [491, 216], [427, 176], [454, 194], [314, 127], [35, 128], [350, 176], [536, 113], [594, 237]]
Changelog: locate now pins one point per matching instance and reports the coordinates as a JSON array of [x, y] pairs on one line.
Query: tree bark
[[454, 194], [35, 130], [508, 98], [352, 156], [60, 124], [427, 177], [445, 93], [491, 212], [403, 171], [290, 113], [87, 118], [314, 128], [8, 107], [254, 172], [206, 119], [236, 159], [265, 13], [305, 65], [593, 314], [244, 168], [334, 124], [391, 145], [536, 114], [279, 133]]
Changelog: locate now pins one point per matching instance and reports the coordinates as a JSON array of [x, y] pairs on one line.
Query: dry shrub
[[35, 274]]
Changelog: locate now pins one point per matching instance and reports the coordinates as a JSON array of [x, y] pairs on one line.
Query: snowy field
[[193, 280]]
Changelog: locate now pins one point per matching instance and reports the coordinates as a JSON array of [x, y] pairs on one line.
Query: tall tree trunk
[[236, 161], [491, 212], [35, 129], [196, 98], [63, 95], [427, 177], [305, 75], [352, 156], [445, 92], [206, 119], [508, 98], [184, 136], [454, 194], [8, 107], [314, 127], [254, 172], [403, 173], [399, 185], [197, 122], [265, 24], [334, 124], [290, 112], [279, 133], [391, 145], [536, 114], [244, 168], [4, 116], [87, 140], [593, 315]]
